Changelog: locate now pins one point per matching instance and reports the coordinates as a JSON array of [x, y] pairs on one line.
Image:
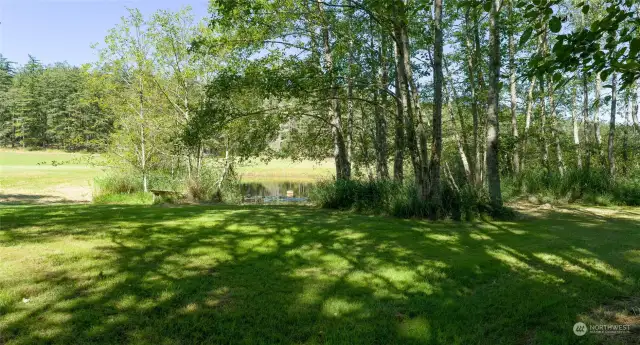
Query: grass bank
[[30, 176], [283, 170], [80, 274]]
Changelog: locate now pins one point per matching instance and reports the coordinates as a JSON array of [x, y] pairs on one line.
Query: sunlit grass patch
[[112, 274], [284, 170], [46, 176]]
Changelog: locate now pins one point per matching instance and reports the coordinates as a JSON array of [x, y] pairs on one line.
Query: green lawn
[[30, 176], [293, 275]]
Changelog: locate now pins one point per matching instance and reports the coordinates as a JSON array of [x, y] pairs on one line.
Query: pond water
[[276, 191]]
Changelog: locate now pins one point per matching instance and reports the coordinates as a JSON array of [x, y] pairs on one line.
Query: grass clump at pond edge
[[400, 199]]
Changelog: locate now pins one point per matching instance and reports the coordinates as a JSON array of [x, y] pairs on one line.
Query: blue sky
[[64, 30]]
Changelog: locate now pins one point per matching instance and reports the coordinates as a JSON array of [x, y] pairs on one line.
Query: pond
[[288, 191]]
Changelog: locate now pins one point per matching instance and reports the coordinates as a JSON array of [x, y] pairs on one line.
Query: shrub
[[166, 181], [396, 199], [117, 183], [121, 186], [199, 190], [594, 186], [627, 192], [374, 196], [208, 187]]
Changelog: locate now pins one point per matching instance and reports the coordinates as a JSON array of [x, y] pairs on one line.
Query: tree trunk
[[596, 115], [380, 97], [405, 97], [625, 138], [634, 108], [493, 125], [461, 138], [350, 89], [543, 126], [461, 148], [478, 51], [527, 123], [415, 115], [576, 131], [451, 92], [143, 148], [554, 130], [585, 121], [514, 99], [399, 142], [612, 125], [596, 119], [471, 66], [543, 111], [552, 114], [343, 167], [436, 153]]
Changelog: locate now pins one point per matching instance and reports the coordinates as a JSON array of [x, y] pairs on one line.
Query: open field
[[290, 275], [281, 170], [30, 176]]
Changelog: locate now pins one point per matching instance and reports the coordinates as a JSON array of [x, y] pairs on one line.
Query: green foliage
[[399, 200], [120, 182], [120, 187], [374, 196], [208, 186], [606, 41], [593, 186], [52, 106], [202, 189]]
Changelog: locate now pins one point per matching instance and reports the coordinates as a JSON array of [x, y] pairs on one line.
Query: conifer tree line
[[443, 94], [51, 106]]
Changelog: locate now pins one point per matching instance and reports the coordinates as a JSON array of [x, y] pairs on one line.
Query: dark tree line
[[51, 106]]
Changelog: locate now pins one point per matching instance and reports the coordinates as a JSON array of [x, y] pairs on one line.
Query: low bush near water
[[580, 185], [126, 187], [398, 199], [117, 183]]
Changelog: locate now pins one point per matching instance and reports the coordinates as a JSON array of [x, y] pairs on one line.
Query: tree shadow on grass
[[293, 275], [33, 199]]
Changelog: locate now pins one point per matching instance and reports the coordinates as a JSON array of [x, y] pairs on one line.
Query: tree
[[180, 74], [612, 126], [141, 131], [435, 189], [493, 125], [7, 72]]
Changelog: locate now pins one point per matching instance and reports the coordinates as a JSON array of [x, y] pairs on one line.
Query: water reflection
[[276, 192]]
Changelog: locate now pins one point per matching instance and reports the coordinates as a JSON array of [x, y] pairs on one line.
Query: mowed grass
[[32, 176], [283, 170], [292, 275]]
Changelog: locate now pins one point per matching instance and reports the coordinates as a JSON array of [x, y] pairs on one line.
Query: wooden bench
[[164, 193]]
